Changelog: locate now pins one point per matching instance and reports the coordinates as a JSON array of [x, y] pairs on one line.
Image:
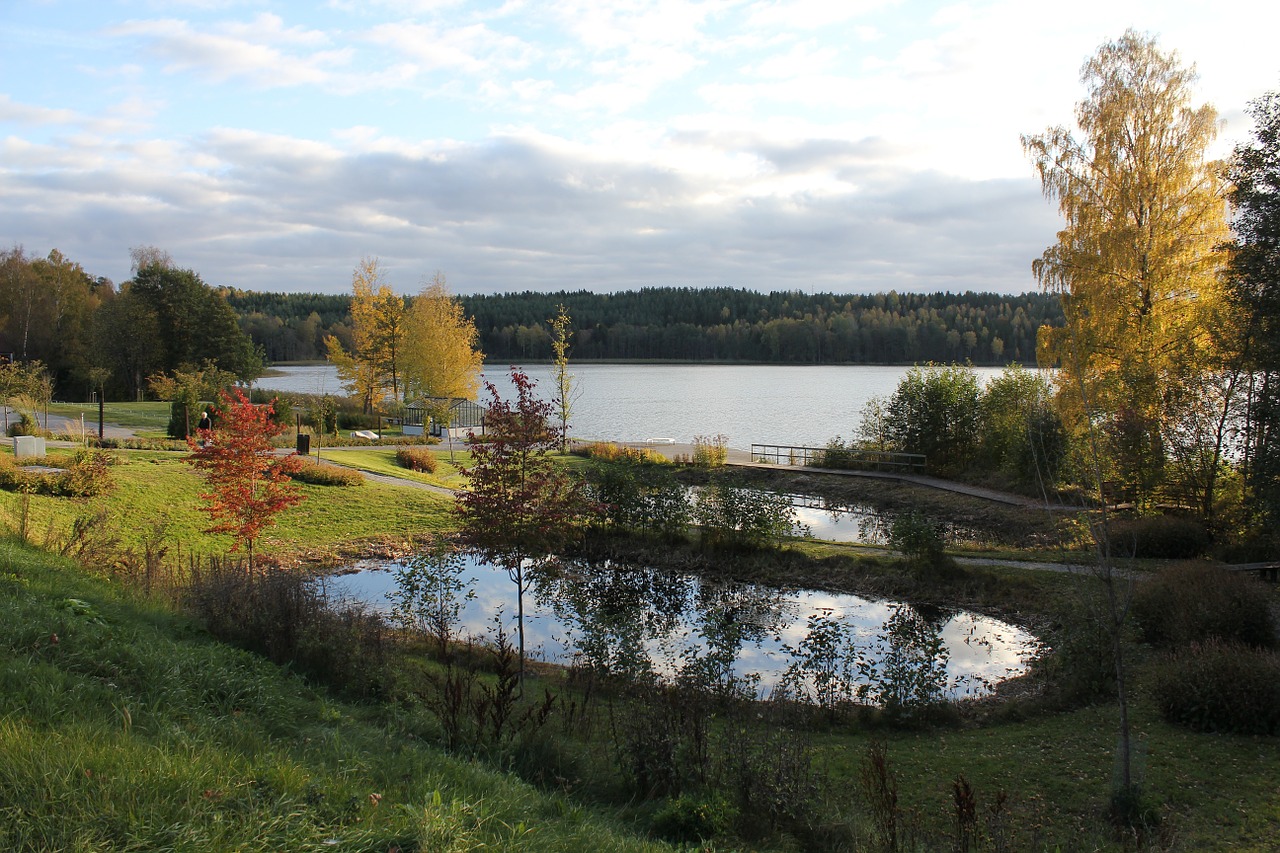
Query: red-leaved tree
[[520, 507], [248, 483]]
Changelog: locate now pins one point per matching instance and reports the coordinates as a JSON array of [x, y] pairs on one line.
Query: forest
[[687, 324]]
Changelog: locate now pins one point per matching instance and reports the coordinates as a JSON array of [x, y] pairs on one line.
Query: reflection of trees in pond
[[729, 615], [619, 612], [934, 615], [616, 610], [824, 664], [874, 523], [904, 670], [431, 592], [908, 672]]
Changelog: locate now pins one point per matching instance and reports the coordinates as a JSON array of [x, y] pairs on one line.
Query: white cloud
[[247, 51], [28, 114], [811, 14], [586, 143], [474, 49], [272, 212]]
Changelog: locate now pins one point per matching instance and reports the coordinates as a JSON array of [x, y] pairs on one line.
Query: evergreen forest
[[688, 324]]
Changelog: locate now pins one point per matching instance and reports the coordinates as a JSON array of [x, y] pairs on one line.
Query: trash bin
[[304, 444]]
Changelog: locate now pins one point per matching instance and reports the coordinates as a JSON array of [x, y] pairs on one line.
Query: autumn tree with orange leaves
[[248, 483]]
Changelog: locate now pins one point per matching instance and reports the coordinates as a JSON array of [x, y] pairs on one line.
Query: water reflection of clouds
[[863, 526], [981, 650]]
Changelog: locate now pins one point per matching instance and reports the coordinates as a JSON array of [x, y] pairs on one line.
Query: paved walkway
[[71, 426], [742, 459], [388, 480]]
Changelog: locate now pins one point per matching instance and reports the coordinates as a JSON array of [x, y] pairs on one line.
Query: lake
[[618, 616], [749, 404]]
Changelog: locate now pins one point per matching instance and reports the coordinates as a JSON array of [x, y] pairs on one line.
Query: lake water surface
[[801, 405]]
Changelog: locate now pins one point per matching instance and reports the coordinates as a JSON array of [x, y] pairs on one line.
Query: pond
[[862, 524], [635, 619], [817, 517]]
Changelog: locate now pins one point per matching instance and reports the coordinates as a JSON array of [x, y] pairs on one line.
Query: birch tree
[[1136, 263], [566, 384], [440, 354], [372, 370]]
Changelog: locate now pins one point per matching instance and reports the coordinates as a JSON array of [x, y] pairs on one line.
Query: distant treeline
[[688, 324]]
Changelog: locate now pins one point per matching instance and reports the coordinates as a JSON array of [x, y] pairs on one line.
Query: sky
[[854, 146]]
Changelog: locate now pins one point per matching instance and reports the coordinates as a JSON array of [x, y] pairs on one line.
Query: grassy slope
[[124, 727]]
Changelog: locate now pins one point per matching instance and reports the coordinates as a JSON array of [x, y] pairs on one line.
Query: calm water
[[618, 616], [861, 523], [749, 404]]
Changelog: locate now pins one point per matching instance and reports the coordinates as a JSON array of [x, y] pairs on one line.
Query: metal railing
[[823, 457]]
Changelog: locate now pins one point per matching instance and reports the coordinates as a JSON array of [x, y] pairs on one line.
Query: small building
[[438, 414]]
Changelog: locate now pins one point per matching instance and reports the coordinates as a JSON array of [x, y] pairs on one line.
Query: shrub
[[688, 819], [140, 444], [417, 459], [1022, 433], [769, 772], [25, 425], [836, 455], [282, 405], [607, 451], [86, 475], [734, 516], [710, 452], [1158, 536], [1221, 687], [1081, 665], [289, 618], [909, 678], [935, 411], [357, 420], [641, 499], [1193, 602], [320, 474], [922, 542]]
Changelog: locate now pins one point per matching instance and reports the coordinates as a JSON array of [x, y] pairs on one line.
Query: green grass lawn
[[124, 727], [1211, 792], [157, 496]]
